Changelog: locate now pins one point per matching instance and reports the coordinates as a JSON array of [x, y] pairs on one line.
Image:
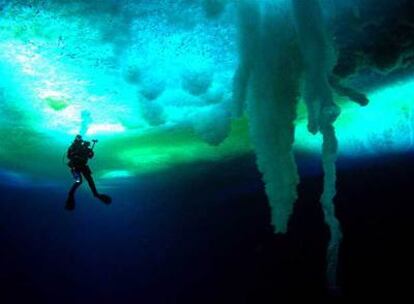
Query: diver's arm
[[70, 152]]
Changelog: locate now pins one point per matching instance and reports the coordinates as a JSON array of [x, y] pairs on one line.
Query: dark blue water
[[201, 234]]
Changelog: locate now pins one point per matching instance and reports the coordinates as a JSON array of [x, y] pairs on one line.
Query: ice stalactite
[[269, 66], [319, 60], [284, 44], [329, 152]]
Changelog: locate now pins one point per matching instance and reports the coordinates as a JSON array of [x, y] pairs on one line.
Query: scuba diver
[[78, 154]]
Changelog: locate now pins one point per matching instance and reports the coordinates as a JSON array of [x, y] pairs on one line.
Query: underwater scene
[[206, 151]]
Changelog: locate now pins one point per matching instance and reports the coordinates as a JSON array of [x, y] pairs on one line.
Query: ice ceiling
[[152, 80]]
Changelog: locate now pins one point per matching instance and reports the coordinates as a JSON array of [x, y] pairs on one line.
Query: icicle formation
[[329, 150], [319, 60], [277, 53], [269, 64]]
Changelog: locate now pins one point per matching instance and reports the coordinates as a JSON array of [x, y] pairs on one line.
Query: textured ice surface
[[142, 70]]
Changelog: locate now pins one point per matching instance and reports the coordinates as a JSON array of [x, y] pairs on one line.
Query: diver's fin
[[70, 204], [106, 199]]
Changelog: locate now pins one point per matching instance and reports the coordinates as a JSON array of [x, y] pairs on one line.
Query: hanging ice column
[[269, 67], [282, 45], [319, 60]]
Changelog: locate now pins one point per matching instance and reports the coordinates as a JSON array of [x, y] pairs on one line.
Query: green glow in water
[[56, 104], [55, 65]]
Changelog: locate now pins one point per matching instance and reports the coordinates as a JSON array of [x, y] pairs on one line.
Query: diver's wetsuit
[[79, 153]]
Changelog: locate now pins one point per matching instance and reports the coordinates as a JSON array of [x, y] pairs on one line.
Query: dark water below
[[202, 235]]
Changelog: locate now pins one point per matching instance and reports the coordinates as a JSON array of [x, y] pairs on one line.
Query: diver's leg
[[88, 176], [70, 202]]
